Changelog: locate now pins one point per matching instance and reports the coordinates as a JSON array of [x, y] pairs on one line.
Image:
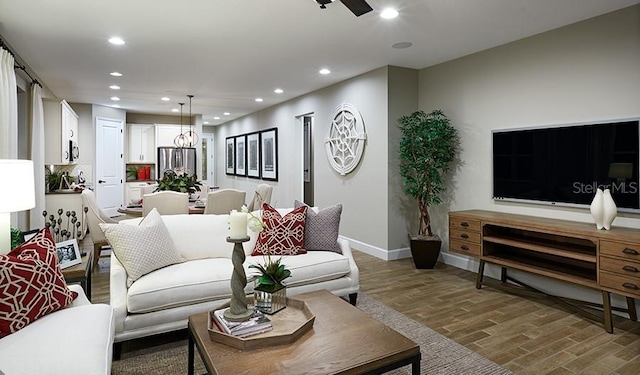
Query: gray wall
[[367, 219], [588, 71]]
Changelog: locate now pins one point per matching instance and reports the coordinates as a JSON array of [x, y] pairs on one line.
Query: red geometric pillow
[[31, 283], [282, 235]]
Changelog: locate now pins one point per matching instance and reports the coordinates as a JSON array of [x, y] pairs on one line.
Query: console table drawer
[[464, 247], [456, 222], [625, 284], [464, 235], [621, 266], [620, 249]]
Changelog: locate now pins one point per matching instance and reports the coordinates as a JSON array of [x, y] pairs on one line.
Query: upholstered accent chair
[[262, 195], [222, 201], [96, 216], [166, 202], [148, 189]]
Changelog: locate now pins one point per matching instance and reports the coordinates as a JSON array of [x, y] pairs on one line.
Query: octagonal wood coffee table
[[343, 340]]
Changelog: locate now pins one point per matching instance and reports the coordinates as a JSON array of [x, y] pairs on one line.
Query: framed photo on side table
[[68, 253], [230, 160], [26, 236], [241, 155], [253, 155], [269, 154]]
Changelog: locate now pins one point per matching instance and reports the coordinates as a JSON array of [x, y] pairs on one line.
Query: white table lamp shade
[[17, 193]]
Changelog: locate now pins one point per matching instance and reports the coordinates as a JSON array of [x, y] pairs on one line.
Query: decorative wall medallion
[[346, 140]]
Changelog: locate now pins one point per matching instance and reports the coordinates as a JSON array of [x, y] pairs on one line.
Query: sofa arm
[[345, 247], [118, 293]]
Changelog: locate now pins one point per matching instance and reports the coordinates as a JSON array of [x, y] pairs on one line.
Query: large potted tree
[[428, 145]]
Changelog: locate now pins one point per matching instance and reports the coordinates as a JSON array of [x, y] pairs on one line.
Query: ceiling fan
[[357, 7]]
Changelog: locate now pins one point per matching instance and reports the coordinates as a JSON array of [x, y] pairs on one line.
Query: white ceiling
[[228, 52]]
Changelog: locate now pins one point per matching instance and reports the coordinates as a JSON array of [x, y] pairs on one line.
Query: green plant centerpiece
[[428, 145], [270, 292], [178, 181]]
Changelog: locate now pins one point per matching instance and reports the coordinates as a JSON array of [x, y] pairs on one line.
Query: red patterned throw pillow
[[31, 283], [281, 235]]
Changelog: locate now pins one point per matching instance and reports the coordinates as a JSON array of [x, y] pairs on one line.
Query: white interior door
[[109, 186], [208, 162]]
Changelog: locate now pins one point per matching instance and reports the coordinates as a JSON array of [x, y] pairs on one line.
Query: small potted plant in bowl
[[427, 147], [270, 294], [180, 182]]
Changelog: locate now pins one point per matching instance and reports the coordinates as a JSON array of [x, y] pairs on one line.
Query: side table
[[80, 273]]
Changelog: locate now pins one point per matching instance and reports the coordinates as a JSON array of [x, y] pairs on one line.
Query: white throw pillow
[[142, 248]]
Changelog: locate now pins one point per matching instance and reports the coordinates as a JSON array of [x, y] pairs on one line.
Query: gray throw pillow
[[322, 228]]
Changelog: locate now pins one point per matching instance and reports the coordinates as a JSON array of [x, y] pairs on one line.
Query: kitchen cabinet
[[133, 190], [61, 132], [141, 143], [71, 201], [166, 134]]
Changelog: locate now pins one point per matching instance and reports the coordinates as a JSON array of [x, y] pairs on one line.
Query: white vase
[[610, 209], [597, 208]]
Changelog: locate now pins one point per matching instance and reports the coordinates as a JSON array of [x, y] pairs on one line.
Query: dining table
[[136, 211]]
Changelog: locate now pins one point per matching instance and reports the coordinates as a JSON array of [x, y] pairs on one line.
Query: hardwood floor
[[524, 332]]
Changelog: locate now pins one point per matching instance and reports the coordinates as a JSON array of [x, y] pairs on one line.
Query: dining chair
[[95, 216], [262, 195], [148, 189], [222, 201], [167, 202]]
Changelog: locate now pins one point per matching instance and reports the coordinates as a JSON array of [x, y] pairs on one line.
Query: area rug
[[440, 355]]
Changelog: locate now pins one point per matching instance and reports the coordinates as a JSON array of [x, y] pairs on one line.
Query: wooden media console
[[575, 252]]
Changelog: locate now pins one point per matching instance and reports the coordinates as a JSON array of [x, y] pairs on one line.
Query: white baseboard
[[379, 252]]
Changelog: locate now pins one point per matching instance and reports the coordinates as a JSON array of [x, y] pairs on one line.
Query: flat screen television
[[564, 165]]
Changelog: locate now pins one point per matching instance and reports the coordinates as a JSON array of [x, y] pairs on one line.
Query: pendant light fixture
[[191, 136], [181, 139]]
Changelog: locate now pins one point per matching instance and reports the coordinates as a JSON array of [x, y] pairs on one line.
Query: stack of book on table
[[257, 323]]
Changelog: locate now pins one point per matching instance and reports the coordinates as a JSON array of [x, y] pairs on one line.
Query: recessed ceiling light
[[117, 41], [401, 45], [389, 13], [259, 100], [278, 91], [165, 99], [116, 106], [114, 87], [226, 113], [324, 71], [115, 98], [116, 74], [216, 118], [175, 110], [206, 122]]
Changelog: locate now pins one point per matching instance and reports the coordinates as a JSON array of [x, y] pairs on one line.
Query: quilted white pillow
[[142, 248]]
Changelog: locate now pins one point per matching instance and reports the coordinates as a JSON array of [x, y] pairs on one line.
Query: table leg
[[631, 308], [415, 367], [503, 274], [479, 275], [606, 310], [191, 355]]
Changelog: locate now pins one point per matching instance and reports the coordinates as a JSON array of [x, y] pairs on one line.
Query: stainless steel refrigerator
[[170, 158]]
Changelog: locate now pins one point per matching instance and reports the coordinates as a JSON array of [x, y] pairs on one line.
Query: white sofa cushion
[[312, 267], [201, 236], [76, 340], [181, 284]]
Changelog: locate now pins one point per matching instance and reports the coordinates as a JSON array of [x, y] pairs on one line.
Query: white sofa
[[76, 340], [162, 300]]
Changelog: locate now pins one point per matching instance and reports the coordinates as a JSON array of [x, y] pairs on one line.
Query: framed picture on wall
[[269, 154], [230, 160], [253, 155], [241, 155]]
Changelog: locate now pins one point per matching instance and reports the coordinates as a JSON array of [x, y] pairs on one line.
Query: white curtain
[[36, 125], [8, 107]]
